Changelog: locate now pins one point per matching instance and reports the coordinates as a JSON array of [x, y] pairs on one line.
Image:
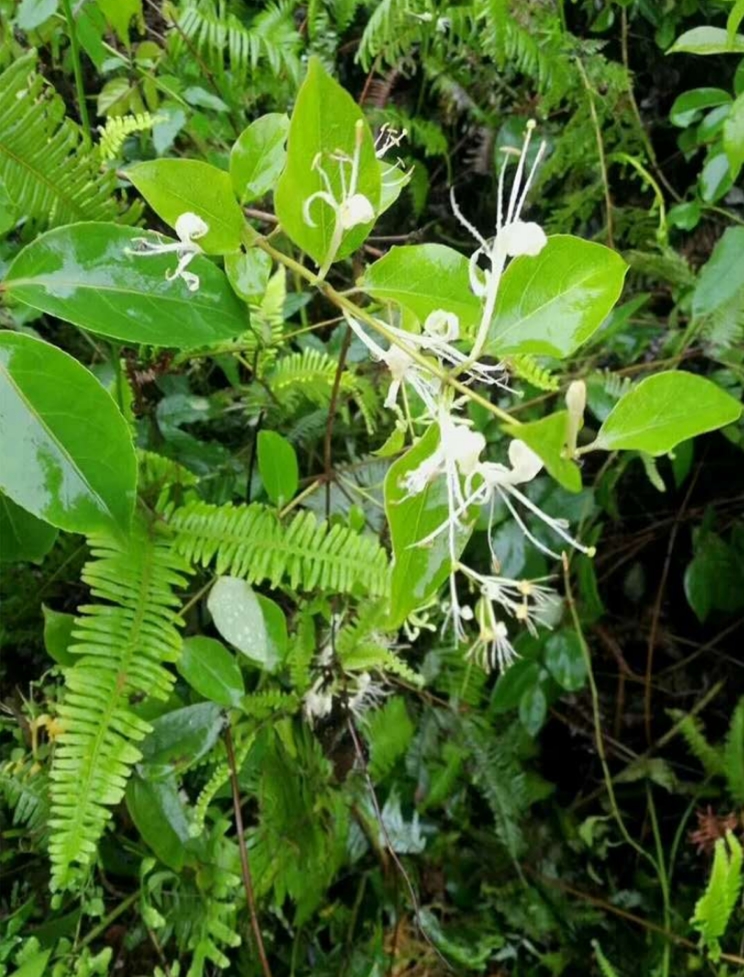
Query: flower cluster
[[419, 362], [358, 691]]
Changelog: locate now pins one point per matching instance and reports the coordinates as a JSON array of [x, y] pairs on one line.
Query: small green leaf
[[533, 708], [179, 739], [418, 571], [120, 14], [211, 670], [722, 276], [325, 123], [58, 628], [708, 40], [733, 137], [258, 157], [513, 683], [664, 410], [552, 303], [564, 659], [158, 814], [689, 106], [33, 13], [238, 615], [547, 438], [248, 272], [67, 452], [35, 967], [715, 179], [91, 275], [714, 578], [176, 186], [22, 536], [277, 465], [423, 278]]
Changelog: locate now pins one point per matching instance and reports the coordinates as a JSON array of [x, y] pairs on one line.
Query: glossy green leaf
[[240, 616], [708, 40], [277, 465], [180, 738], [393, 181], [734, 19], [714, 578], [33, 13], [158, 814], [547, 438], [248, 272], [733, 137], [552, 303], [22, 536], [211, 670], [512, 684], [533, 708], [722, 276], [688, 106], [58, 628], [176, 186], [418, 571], [324, 123], [715, 178], [258, 157], [564, 659], [665, 409], [67, 453], [423, 278], [91, 275], [120, 14]]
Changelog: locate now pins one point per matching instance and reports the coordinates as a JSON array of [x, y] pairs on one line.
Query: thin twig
[[600, 149], [77, 70], [244, 863], [656, 613], [328, 442]]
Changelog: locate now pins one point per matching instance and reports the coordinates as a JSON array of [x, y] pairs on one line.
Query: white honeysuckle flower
[[364, 693], [527, 601], [317, 702], [351, 208], [189, 228], [513, 238], [387, 139], [442, 325], [492, 646]]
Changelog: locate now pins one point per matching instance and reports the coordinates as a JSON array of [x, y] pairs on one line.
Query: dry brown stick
[[244, 863]]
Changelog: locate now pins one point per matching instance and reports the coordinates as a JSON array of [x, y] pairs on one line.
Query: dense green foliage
[[372, 580]]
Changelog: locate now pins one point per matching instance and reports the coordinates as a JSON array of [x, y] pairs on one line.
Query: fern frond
[[715, 907], [528, 369], [260, 705], [389, 731], [604, 964], [225, 42], [26, 792], [219, 777], [121, 644], [692, 732], [250, 541], [116, 130], [50, 176], [733, 755]]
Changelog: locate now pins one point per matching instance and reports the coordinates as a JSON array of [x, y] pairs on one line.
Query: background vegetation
[[578, 814]]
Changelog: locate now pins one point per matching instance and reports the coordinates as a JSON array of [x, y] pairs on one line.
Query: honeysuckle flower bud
[[576, 404], [492, 647], [189, 228], [442, 325]]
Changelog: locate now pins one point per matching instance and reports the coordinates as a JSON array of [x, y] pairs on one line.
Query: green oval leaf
[[564, 659], [22, 536], [158, 814], [258, 157], [248, 272], [238, 615], [733, 137], [533, 709], [722, 276], [67, 452], [688, 106], [277, 465], [176, 186], [552, 303], [58, 628], [180, 738], [708, 40], [423, 278], [91, 275], [664, 410], [211, 670], [324, 124]]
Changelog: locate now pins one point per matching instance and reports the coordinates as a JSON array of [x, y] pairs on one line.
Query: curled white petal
[[190, 227], [442, 325], [526, 465], [522, 238], [356, 210], [318, 195]]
